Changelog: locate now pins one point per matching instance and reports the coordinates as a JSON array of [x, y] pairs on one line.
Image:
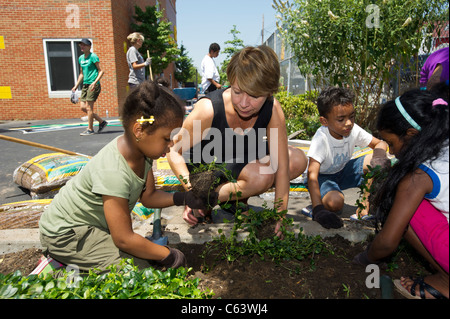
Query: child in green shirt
[[89, 221]]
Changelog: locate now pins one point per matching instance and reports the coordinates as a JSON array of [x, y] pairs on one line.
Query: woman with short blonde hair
[[255, 70], [244, 127], [136, 63]]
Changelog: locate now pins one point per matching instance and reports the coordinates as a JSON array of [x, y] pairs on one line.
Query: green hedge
[[300, 112]]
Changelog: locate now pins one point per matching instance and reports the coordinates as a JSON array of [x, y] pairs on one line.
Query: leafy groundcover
[[119, 282]]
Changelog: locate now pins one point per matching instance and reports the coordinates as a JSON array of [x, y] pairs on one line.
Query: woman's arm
[[198, 121], [280, 160], [80, 80], [137, 66], [99, 76]]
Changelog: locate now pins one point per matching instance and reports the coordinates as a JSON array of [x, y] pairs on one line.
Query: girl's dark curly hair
[[151, 99], [424, 146]]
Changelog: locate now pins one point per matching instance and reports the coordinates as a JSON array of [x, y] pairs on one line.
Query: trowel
[[157, 237]]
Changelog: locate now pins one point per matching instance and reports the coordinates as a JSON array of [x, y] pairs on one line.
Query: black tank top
[[223, 144]]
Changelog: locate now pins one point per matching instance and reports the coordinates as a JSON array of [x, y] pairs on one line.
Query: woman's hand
[[189, 217]]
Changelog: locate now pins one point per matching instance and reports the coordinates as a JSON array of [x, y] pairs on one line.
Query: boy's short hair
[[214, 47], [333, 96]]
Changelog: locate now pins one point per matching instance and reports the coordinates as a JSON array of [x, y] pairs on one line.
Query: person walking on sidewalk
[[90, 75]]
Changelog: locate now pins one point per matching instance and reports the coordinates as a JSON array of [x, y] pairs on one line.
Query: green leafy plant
[[158, 36], [300, 112], [125, 281], [359, 44], [369, 185], [184, 66], [232, 47], [267, 247]]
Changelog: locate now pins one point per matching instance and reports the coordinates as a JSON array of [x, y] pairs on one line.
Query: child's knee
[[333, 201]]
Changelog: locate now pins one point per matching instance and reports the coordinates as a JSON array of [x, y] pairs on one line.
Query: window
[[61, 63]]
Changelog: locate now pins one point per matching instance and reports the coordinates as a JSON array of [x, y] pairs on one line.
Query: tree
[[184, 66], [357, 43], [158, 37], [235, 46]]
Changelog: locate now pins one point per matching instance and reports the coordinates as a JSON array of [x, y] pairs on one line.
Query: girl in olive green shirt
[[89, 222]]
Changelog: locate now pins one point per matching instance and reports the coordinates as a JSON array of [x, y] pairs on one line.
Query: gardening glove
[[189, 199], [380, 158], [148, 61], [326, 218], [174, 260], [363, 258]]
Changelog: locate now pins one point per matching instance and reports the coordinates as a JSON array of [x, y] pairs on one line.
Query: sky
[[202, 22]]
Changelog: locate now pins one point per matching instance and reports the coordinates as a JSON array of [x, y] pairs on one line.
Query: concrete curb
[[14, 240]]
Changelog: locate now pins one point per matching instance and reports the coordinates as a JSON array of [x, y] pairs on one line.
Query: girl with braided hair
[[88, 223]]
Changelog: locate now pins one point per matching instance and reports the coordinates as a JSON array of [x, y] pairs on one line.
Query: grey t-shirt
[[135, 76]]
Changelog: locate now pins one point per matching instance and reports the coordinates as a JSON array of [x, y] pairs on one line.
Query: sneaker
[[363, 217], [307, 211], [101, 126], [84, 118], [87, 132]]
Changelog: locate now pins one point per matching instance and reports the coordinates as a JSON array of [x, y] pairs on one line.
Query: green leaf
[[7, 291]]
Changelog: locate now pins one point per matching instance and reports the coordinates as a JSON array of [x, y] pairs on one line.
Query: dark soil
[[327, 275]]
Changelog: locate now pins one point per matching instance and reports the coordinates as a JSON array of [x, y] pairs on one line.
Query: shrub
[[300, 112]]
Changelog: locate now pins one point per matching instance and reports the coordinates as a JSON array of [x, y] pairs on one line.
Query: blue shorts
[[350, 176]]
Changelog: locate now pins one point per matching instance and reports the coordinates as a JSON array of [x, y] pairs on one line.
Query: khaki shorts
[[87, 247], [88, 95]]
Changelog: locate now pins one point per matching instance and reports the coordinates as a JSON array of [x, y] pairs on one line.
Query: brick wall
[[25, 23]]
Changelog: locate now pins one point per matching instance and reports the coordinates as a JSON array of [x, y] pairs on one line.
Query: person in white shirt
[[331, 168], [210, 74]]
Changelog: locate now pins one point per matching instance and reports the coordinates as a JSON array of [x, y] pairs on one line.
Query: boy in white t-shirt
[[331, 168]]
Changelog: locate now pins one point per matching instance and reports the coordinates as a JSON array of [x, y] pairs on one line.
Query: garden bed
[[329, 274]]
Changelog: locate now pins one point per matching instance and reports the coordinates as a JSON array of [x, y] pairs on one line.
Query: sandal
[[362, 217], [422, 287]]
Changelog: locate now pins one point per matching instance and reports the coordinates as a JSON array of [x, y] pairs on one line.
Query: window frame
[[73, 42]]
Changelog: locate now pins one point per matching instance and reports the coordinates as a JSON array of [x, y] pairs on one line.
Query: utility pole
[[262, 31]]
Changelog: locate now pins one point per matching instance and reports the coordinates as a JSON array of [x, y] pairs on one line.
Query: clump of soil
[[203, 184], [266, 229]]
